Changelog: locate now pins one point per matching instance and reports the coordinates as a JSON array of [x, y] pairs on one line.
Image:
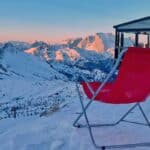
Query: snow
[[31, 51], [108, 40], [59, 56], [92, 43], [55, 131], [21, 64], [19, 44], [46, 100], [67, 54]]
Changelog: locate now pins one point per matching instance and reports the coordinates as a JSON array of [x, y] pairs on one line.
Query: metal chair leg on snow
[[144, 115], [89, 126], [99, 89], [78, 125]]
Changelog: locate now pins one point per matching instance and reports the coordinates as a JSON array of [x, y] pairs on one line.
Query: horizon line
[[51, 40]]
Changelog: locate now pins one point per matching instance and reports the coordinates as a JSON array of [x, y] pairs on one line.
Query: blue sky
[[59, 19]]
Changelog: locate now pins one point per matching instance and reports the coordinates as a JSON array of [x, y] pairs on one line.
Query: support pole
[[122, 41], [116, 44], [148, 40], [136, 39]]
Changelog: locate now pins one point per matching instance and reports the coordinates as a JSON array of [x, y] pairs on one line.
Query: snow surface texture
[[55, 131], [25, 84], [43, 89]]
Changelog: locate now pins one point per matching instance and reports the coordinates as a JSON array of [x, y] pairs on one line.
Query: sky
[[54, 20]]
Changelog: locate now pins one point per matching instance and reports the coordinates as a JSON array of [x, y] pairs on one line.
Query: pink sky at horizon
[[28, 37]]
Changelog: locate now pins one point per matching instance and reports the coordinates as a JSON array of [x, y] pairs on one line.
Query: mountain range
[[71, 57], [29, 72]]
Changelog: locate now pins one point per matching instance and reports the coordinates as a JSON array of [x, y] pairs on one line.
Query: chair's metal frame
[[122, 119]]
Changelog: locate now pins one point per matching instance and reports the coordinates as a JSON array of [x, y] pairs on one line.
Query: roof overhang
[[140, 25]]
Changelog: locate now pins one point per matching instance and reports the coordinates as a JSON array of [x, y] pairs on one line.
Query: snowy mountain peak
[[8, 45], [38, 44], [67, 54], [72, 43], [93, 42], [108, 40]]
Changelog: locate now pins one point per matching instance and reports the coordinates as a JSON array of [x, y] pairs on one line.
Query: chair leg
[[78, 125], [109, 146], [85, 107], [86, 118], [103, 125], [144, 115], [75, 124]]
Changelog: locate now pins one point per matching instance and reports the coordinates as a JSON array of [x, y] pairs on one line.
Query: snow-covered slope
[[22, 64], [64, 61], [54, 130], [90, 53], [19, 44], [67, 53], [26, 79], [23, 75], [40, 87]]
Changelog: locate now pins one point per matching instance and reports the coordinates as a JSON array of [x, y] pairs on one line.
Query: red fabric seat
[[132, 83]]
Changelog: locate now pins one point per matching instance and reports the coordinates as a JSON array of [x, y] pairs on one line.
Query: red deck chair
[[132, 85]]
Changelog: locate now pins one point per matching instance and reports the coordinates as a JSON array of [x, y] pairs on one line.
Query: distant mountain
[[32, 75], [71, 49], [68, 50], [32, 85], [19, 44], [71, 57], [17, 63], [27, 83], [99, 42]]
